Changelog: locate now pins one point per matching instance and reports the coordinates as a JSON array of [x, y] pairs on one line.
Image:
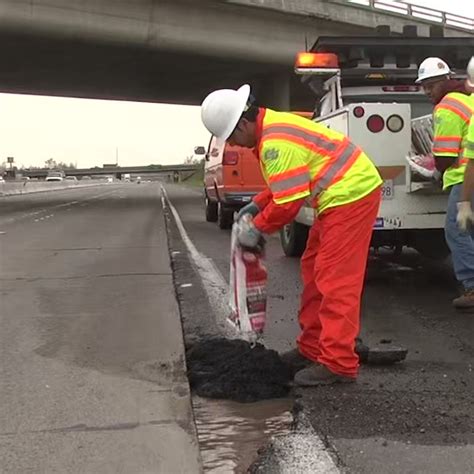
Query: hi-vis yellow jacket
[[451, 120], [469, 148], [304, 159]]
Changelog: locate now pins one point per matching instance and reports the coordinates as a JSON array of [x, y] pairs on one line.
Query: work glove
[[465, 216], [247, 234], [250, 208]]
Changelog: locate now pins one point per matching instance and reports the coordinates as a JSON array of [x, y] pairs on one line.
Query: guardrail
[[416, 12]]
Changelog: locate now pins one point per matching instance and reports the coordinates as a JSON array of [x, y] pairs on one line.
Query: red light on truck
[[316, 60], [375, 123], [358, 111], [230, 158], [400, 88]]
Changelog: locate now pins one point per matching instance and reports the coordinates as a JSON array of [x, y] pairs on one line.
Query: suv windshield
[[420, 104]]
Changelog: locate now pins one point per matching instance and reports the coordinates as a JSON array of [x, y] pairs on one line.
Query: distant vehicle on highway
[[55, 176], [110, 179], [1, 179], [139, 179], [126, 177], [71, 178], [232, 176]]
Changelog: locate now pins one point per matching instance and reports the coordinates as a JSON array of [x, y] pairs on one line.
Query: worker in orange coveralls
[[303, 161]]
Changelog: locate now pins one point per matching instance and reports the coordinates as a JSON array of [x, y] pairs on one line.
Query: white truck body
[[356, 77], [406, 204]]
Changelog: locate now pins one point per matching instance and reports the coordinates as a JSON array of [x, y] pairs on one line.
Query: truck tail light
[[401, 88], [358, 111], [395, 123], [230, 158], [375, 123]]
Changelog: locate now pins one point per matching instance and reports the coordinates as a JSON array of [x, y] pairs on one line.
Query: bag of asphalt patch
[[248, 295]]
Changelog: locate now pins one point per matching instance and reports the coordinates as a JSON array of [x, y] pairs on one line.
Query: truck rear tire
[[225, 217], [211, 210], [293, 239]]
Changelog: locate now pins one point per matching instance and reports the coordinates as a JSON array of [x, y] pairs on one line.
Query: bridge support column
[[273, 91]]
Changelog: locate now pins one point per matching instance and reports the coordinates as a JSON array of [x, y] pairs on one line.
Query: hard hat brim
[[243, 93], [420, 80]]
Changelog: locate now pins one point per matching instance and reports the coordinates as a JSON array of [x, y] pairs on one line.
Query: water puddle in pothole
[[230, 433]]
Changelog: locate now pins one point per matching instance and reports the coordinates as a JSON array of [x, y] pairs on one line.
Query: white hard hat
[[221, 111], [432, 67], [470, 74]]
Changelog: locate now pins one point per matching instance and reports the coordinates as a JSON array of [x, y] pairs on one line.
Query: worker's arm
[[289, 183], [263, 198], [447, 136], [275, 216], [468, 184], [444, 162]]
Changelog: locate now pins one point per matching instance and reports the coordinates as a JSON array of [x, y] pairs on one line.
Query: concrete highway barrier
[[11, 188]]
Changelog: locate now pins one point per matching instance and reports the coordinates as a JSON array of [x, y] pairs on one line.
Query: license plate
[[246, 198], [388, 190]]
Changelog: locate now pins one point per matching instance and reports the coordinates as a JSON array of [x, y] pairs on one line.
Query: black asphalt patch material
[[233, 369]]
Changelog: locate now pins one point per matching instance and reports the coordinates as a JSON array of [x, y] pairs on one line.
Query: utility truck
[[365, 88]]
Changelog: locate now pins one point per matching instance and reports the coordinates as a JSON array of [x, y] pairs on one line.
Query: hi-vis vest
[[303, 159], [451, 119], [469, 146]]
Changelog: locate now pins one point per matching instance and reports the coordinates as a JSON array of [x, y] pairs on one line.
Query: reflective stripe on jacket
[[304, 159], [451, 119]]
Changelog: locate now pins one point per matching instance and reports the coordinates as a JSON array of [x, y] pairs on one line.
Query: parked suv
[[232, 176]]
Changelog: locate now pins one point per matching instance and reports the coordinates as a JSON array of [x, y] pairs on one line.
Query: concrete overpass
[[177, 51]]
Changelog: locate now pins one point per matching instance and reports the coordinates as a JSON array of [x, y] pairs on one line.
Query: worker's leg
[[340, 266], [308, 340], [460, 243]]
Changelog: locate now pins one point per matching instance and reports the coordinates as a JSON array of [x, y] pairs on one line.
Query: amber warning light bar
[[316, 63]]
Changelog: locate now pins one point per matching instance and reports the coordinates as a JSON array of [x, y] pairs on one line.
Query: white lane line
[[214, 284], [302, 452], [186, 285], [2, 232]]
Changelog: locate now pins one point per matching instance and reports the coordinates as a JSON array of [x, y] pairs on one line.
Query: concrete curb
[[302, 451], [26, 187]]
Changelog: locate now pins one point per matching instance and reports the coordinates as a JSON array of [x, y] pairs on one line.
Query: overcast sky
[[87, 132]]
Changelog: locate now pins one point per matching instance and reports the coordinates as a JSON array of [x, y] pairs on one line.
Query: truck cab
[[365, 88]]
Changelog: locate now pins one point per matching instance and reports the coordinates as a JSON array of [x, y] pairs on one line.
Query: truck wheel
[[432, 244], [211, 210], [293, 239], [225, 217]]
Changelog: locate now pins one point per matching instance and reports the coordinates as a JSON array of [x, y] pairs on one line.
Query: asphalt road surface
[[91, 354], [92, 374], [416, 417]]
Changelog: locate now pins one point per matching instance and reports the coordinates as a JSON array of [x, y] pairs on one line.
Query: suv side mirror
[[199, 150]]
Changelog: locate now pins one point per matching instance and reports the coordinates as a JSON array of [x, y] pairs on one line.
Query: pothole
[[231, 433], [232, 371]]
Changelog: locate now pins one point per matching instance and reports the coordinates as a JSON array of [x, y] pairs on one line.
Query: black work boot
[[318, 374], [466, 301], [295, 360], [362, 350]]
